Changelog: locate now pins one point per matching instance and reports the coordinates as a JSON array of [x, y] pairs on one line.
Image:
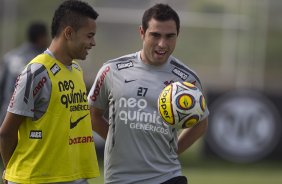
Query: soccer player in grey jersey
[[140, 148]]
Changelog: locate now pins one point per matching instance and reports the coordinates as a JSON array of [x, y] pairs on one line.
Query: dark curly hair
[[160, 12], [71, 13]]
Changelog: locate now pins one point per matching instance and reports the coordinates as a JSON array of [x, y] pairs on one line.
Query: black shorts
[[176, 180]]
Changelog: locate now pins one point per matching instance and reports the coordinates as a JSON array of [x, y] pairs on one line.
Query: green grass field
[[202, 170], [213, 172]]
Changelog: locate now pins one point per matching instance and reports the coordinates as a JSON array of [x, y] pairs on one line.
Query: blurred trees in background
[[238, 41]]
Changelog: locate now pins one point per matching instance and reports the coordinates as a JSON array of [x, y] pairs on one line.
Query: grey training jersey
[[140, 148], [13, 63], [32, 91]]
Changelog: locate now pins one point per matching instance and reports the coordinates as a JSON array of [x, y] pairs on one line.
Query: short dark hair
[[35, 31], [160, 12], [71, 13]]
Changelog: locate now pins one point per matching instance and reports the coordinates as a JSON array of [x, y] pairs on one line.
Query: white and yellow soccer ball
[[181, 105]]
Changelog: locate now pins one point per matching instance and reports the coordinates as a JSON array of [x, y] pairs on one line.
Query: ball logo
[[165, 105], [185, 101]]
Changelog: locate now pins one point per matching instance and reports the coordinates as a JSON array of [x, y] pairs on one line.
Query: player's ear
[[68, 31], [142, 32]]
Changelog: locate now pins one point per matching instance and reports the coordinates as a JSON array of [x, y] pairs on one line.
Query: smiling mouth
[[87, 50], [160, 53]]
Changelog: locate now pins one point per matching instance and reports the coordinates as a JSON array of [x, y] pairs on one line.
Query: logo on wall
[[244, 126]]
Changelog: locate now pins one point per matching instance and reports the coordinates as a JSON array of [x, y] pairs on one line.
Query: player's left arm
[[190, 135]]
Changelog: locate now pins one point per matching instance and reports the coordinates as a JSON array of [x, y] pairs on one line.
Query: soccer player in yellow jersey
[[46, 136]]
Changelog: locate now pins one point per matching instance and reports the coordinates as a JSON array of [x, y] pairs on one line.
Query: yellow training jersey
[[59, 146]]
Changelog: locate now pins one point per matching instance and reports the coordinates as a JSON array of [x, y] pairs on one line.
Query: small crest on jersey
[[180, 73], [55, 69], [35, 134], [76, 66], [125, 65]]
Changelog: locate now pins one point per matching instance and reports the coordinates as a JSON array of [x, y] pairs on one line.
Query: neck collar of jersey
[[160, 67]]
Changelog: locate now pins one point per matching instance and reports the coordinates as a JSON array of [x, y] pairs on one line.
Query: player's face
[[83, 40], [159, 41]]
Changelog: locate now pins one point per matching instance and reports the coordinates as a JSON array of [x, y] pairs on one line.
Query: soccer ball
[[181, 105]]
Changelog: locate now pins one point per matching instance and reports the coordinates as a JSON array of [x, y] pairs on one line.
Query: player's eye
[[90, 35], [155, 35], [169, 36]]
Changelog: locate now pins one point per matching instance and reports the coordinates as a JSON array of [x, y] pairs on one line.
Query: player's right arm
[[22, 105], [99, 124], [9, 136], [98, 99]]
